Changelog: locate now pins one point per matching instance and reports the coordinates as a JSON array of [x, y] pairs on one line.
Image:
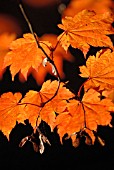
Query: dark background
[[45, 20]]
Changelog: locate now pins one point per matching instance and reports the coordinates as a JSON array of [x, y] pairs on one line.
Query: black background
[[45, 20]]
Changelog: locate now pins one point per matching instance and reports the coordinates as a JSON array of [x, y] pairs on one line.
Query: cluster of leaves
[[55, 104]]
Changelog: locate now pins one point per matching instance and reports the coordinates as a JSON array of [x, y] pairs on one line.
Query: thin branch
[[23, 12], [58, 41], [79, 91], [36, 38], [31, 29], [51, 61]]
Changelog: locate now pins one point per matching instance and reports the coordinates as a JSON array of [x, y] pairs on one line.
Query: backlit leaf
[[85, 29], [99, 70], [25, 54], [84, 115], [34, 101], [59, 55], [10, 112]]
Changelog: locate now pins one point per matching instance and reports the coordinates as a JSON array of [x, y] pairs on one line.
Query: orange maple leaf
[[99, 70], [47, 113], [10, 112], [85, 29], [58, 56], [84, 115], [25, 54], [13, 108]]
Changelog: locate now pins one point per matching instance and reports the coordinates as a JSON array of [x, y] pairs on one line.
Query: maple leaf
[[13, 108], [99, 70], [10, 112], [34, 100], [25, 54], [47, 113], [84, 115], [85, 29], [58, 56]]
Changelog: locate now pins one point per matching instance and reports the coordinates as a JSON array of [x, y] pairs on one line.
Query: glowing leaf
[[84, 115], [34, 103], [99, 70], [25, 54], [35, 100], [85, 29], [48, 115], [59, 55], [62, 123], [10, 112]]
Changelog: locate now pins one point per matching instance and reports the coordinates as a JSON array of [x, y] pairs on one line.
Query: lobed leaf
[[34, 103], [99, 70], [85, 29], [84, 115], [10, 112], [25, 54]]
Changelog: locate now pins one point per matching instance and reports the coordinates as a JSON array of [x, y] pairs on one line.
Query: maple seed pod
[[35, 147], [88, 140], [41, 146], [101, 141], [23, 141], [76, 143]]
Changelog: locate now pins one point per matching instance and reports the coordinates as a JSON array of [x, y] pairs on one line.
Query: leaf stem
[[79, 91], [58, 41]]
